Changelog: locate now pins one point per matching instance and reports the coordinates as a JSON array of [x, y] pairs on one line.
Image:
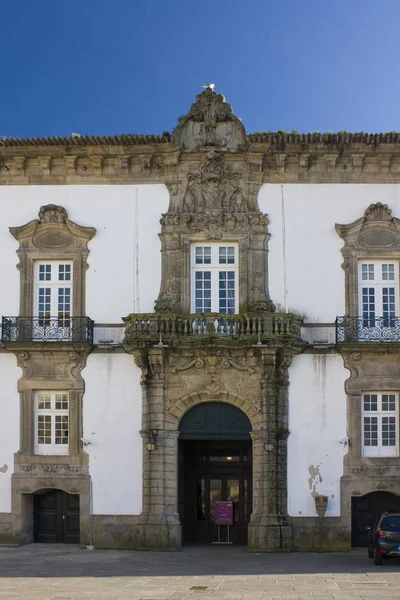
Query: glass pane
[[224, 458], [201, 500], [245, 500], [44, 429], [388, 304], [367, 272], [44, 401], [61, 431], [370, 402], [64, 272], [61, 401], [232, 486], [368, 307], [227, 292], [388, 272], [388, 431], [370, 431], [203, 255], [44, 272], [203, 291], [215, 495]]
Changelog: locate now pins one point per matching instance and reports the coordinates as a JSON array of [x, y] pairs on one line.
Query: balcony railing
[[47, 329], [367, 329], [255, 329]]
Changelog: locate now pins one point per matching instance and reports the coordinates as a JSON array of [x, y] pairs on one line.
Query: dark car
[[384, 538]]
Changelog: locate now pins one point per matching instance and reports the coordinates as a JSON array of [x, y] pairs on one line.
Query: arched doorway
[[365, 510], [215, 461], [56, 517]]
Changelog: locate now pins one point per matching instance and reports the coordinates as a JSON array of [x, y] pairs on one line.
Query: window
[[378, 293], [379, 425], [51, 422], [214, 281], [53, 293]]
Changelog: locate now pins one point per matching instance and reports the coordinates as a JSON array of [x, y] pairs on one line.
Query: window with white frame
[[378, 292], [380, 424], [51, 422], [214, 278], [53, 292]]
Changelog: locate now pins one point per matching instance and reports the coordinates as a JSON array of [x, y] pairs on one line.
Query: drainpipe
[[90, 547], [285, 290]]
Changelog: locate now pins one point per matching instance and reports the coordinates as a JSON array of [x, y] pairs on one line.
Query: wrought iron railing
[[251, 328], [367, 329], [47, 329]]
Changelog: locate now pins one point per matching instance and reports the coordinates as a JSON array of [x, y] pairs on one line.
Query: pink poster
[[223, 513]]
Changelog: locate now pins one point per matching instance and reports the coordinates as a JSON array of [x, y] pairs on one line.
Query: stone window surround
[[377, 451], [375, 236], [52, 238], [54, 366], [215, 267], [243, 263], [28, 391]]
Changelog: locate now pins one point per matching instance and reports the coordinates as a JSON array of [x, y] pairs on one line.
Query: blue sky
[[134, 66]]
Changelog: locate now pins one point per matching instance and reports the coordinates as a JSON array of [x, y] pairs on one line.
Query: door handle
[[63, 517]]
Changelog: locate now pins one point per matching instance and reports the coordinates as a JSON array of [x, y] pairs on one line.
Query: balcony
[[212, 328], [47, 329], [350, 330]]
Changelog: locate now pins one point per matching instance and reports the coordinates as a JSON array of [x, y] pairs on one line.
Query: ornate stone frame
[[50, 366], [375, 236], [372, 366], [52, 237]]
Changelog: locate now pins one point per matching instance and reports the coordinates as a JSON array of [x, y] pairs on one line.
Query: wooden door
[[56, 517], [364, 512]]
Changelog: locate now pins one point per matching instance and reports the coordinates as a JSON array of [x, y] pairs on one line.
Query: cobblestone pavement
[[49, 572]]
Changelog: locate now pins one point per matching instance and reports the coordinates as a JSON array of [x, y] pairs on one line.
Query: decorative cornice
[[87, 140], [210, 125]]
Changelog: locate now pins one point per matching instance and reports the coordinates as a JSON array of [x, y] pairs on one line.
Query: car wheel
[[370, 552], [378, 558]]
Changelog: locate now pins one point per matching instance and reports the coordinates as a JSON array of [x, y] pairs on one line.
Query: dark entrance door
[[56, 517], [364, 512], [214, 464], [216, 471]]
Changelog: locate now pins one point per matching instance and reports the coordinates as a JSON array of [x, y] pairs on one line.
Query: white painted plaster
[[317, 424], [9, 425], [112, 414], [125, 250], [315, 279]]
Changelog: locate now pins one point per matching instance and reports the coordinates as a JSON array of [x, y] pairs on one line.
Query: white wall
[[112, 414], [317, 424], [315, 279], [125, 249], [9, 425]]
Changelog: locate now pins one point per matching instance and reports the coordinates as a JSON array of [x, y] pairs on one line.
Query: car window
[[391, 524]]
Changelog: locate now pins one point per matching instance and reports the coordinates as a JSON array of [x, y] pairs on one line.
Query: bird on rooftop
[[209, 85]]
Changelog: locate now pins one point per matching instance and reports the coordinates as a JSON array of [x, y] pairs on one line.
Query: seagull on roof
[[209, 85]]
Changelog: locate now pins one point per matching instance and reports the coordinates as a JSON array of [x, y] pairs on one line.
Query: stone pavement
[[61, 572]]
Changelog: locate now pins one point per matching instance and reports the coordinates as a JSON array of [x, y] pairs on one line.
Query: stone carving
[[45, 164], [52, 214], [212, 374], [213, 189], [169, 298], [51, 468], [378, 212], [210, 122]]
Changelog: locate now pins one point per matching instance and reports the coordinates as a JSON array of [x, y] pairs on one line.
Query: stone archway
[[215, 463], [174, 380]]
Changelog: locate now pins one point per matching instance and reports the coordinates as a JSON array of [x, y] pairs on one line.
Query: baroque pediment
[[210, 123]]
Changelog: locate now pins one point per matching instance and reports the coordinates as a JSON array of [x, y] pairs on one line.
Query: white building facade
[[210, 316]]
